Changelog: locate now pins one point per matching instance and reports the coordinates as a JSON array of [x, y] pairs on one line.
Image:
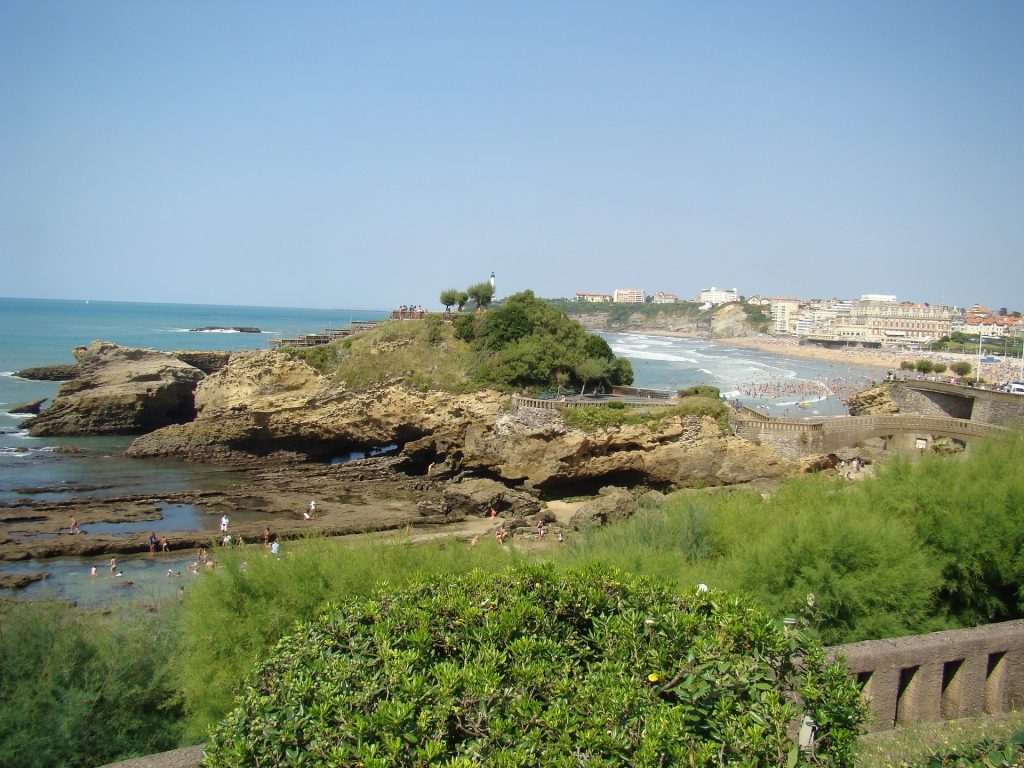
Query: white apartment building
[[784, 314], [664, 297], [715, 296], [629, 295]]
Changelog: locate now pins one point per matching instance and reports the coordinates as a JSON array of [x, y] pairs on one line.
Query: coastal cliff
[[266, 405], [726, 321]]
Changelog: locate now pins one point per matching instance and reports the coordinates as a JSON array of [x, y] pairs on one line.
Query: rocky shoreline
[[451, 456]]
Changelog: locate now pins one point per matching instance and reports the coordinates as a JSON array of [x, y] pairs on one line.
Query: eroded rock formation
[[119, 391], [266, 404], [874, 400]]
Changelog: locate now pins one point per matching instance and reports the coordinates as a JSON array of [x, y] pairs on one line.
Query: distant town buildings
[[874, 319], [629, 295], [593, 297], [715, 296]]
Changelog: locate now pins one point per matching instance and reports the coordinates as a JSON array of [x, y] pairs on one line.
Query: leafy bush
[[940, 367], [234, 615], [984, 753], [961, 368], [906, 365], [967, 513], [527, 342], [535, 668], [82, 690], [701, 390], [614, 414], [925, 366]]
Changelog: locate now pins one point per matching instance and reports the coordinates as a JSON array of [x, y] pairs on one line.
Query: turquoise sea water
[[41, 332]]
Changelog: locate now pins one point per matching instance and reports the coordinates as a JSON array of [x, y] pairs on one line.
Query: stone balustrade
[[940, 676]]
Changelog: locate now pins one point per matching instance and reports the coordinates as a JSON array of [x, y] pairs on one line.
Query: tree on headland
[[590, 369], [481, 293], [450, 296]]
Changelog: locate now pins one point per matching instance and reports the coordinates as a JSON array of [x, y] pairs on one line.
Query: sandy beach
[[1004, 370]]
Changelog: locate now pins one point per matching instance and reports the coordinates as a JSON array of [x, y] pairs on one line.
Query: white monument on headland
[[492, 286]]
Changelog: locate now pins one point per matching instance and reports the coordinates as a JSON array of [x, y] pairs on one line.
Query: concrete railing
[[518, 401], [941, 676], [895, 422]]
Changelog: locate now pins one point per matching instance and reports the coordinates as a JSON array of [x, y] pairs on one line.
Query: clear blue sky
[[367, 154]]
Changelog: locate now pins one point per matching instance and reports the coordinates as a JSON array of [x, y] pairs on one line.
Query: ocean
[[37, 332]]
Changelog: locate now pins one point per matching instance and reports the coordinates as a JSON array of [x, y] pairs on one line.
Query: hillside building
[[629, 296], [715, 296]]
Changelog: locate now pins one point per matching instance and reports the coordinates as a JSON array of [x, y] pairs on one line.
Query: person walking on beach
[[152, 542], [312, 508]]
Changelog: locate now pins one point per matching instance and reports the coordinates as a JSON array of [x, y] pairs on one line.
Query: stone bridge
[[939, 398], [794, 438]]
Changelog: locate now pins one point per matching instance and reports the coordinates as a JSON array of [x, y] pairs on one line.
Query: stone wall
[[937, 398], [931, 403], [1006, 409], [940, 676]]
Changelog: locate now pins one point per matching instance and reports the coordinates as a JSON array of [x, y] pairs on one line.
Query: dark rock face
[[61, 372], [476, 497], [120, 391], [611, 506], [32, 406], [207, 362]]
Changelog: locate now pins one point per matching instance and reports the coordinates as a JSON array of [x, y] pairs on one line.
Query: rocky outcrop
[[119, 391], [610, 506], [475, 497], [206, 361], [60, 372], [874, 400], [266, 404], [32, 406], [682, 451]]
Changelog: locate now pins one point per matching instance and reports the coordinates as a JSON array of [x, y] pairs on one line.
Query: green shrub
[[961, 368], [535, 668], [609, 415], [925, 366], [701, 390], [616, 405], [82, 690], [906, 365], [985, 753], [233, 616], [967, 512]]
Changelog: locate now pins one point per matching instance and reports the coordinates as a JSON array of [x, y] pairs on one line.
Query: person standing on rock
[[73, 528], [312, 508], [224, 523]]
